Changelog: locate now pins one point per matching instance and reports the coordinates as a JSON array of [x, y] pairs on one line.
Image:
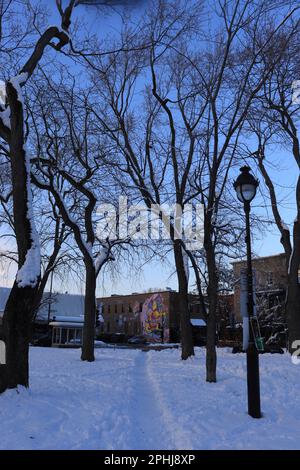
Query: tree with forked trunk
[[20, 306], [152, 154], [183, 138], [68, 165], [19, 309]]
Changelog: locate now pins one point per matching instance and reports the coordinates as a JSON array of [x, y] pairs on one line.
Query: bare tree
[[194, 109], [231, 76], [53, 234], [68, 165], [152, 153], [20, 305], [277, 124]]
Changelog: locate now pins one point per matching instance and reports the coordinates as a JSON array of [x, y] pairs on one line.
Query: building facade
[[270, 279], [153, 314], [63, 306]]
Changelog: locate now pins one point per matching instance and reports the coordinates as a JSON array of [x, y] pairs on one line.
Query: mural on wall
[[154, 319], [136, 309]]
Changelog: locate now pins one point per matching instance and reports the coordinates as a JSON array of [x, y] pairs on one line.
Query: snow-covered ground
[[129, 399]]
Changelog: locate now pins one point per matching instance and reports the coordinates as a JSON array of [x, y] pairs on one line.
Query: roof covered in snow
[[64, 305], [64, 324], [258, 258], [69, 305]]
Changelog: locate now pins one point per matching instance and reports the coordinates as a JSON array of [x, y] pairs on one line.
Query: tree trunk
[[293, 292], [19, 309], [212, 291], [88, 339], [16, 334], [187, 347]]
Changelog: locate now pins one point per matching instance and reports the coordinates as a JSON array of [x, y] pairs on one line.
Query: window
[[130, 308], [63, 338], [107, 327], [141, 306], [122, 308], [108, 308], [56, 336], [270, 278], [116, 308], [66, 335]]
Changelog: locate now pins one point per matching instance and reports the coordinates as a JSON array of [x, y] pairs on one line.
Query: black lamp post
[[246, 186]]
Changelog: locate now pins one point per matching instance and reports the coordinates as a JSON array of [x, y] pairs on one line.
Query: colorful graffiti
[[154, 319], [136, 309]]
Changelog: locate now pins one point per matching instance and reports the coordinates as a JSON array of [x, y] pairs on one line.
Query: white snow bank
[[129, 399]]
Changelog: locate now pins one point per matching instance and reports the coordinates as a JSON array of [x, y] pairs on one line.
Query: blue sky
[[155, 274], [284, 173]]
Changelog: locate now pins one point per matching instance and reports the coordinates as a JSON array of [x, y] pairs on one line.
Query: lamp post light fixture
[[246, 186]]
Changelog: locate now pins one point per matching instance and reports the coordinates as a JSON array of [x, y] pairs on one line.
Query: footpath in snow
[[129, 399]]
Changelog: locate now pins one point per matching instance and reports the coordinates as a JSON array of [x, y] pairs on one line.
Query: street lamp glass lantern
[[245, 185]]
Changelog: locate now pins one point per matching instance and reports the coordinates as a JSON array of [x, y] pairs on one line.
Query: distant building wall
[[61, 304], [270, 275], [154, 314], [133, 314]]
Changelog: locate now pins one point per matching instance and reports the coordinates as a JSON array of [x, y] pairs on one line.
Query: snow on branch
[[185, 258], [29, 273], [284, 226], [101, 258], [17, 82]]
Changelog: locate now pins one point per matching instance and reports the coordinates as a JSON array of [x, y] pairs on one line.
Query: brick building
[[270, 279], [154, 314]]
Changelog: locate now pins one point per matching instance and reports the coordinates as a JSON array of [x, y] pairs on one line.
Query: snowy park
[[130, 399], [149, 225]]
